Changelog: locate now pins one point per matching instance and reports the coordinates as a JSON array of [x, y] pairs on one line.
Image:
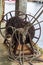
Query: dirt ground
[[4, 56]]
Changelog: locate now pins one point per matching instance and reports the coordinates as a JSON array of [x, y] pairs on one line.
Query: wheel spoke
[[21, 53], [36, 37], [6, 17], [10, 14], [37, 28]]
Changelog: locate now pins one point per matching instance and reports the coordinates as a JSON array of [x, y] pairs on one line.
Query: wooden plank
[[1, 8]]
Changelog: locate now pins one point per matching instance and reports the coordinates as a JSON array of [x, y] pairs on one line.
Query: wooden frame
[[1, 9]]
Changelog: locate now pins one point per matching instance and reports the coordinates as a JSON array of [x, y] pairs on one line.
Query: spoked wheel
[[29, 24]]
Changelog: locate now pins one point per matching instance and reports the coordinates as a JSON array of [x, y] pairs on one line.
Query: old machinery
[[21, 35]]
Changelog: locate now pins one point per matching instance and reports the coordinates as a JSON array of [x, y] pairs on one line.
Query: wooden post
[[21, 5], [17, 5], [1, 9]]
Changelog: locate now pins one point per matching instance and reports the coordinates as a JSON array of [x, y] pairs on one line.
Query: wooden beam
[[1, 9], [21, 5]]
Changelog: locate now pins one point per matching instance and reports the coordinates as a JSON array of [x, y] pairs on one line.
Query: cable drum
[[20, 31]]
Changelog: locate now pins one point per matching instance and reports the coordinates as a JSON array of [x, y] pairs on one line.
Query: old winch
[[20, 35]]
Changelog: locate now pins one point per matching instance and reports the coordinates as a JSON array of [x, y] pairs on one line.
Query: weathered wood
[[1, 9], [21, 5]]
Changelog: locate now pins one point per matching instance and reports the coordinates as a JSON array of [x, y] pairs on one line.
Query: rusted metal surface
[[20, 32], [23, 23]]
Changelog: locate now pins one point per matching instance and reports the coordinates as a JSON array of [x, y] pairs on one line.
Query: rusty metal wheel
[[29, 22]]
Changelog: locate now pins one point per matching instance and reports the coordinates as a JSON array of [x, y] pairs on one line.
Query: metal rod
[[39, 22], [37, 16], [37, 12]]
